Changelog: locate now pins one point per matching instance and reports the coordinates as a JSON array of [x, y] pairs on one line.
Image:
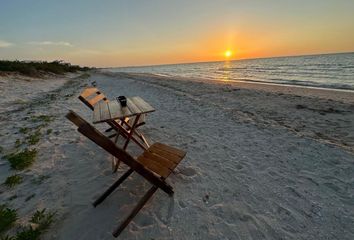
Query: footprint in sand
[[239, 166], [188, 171], [145, 221]]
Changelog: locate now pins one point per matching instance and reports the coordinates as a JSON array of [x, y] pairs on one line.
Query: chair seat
[[161, 159]]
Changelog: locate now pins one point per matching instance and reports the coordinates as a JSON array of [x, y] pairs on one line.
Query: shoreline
[[343, 95]]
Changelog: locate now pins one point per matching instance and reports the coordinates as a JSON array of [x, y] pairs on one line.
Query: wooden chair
[[155, 165]]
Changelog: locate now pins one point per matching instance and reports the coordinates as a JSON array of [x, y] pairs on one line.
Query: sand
[[262, 162]]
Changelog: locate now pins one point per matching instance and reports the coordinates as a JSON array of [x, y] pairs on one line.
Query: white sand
[[260, 164]]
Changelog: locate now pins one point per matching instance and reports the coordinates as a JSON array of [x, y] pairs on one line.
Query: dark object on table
[[122, 100]]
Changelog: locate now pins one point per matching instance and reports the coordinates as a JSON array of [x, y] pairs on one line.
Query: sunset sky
[[123, 33]]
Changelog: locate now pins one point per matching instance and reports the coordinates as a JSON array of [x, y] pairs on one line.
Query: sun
[[228, 53]]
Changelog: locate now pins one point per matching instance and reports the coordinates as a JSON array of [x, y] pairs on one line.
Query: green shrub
[[43, 219], [7, 218], [35, 68], [23, 159], [13, 180]]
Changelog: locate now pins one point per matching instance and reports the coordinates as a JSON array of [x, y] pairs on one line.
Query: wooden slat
[[105, 114], [157, 168], [160, 160], [97, 113], [126, 112], [142, 105], [169, 149], [96, 99], [132, 107], [88, 92], [171, 156], [115, 109]]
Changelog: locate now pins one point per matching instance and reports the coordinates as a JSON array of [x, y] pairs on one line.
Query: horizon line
[[231, 60]]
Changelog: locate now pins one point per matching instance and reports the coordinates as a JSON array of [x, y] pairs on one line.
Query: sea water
[[327, 71]]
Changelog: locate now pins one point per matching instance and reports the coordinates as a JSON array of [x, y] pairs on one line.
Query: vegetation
[[13, 180], [33, 68], [18, 143], [24, 130], [34, 138], [42, 118], [43, 219], [7, 218], [27, 233], [23, 159]]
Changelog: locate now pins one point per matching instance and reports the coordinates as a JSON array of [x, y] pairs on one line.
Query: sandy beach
[[263, 161]]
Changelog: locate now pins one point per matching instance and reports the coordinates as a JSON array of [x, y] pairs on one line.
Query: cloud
[[50, 43], [4, 44]]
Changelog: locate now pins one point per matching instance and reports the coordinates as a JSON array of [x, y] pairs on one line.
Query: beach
[[263, 161]]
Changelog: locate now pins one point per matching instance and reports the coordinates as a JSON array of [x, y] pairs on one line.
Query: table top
[[105, 111]]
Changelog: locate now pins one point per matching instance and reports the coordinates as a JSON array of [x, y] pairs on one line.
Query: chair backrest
[[91, 96], [104, 142]]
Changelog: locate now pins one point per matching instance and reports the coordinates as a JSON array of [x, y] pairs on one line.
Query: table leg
[[131, 132]]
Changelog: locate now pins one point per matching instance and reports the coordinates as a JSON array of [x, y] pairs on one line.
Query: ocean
[[334, 71]]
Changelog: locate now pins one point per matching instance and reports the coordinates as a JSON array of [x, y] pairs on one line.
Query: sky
[[138, 32]]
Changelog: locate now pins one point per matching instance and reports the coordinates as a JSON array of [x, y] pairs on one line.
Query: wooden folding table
[[111, 111]]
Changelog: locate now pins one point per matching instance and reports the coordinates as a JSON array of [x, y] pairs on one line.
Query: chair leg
[[115, 165], [113, 187], [109, 129], [135, 211]]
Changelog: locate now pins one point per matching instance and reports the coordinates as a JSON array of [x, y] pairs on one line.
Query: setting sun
[[228, 53]]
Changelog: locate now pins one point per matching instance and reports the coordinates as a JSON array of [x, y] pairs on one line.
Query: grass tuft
[[13, 180], [34, 138], [28, 234], [43, 219], [42, 118], [7, 218], [18, 143], [24, 130], [23, 159]]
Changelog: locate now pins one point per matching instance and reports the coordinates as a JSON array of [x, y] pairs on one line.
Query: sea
[[334, 71]]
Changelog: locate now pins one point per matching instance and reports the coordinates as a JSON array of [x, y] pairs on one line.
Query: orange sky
[[129, 33]]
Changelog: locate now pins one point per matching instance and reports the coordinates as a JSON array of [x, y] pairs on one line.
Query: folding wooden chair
[[155, 165]]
